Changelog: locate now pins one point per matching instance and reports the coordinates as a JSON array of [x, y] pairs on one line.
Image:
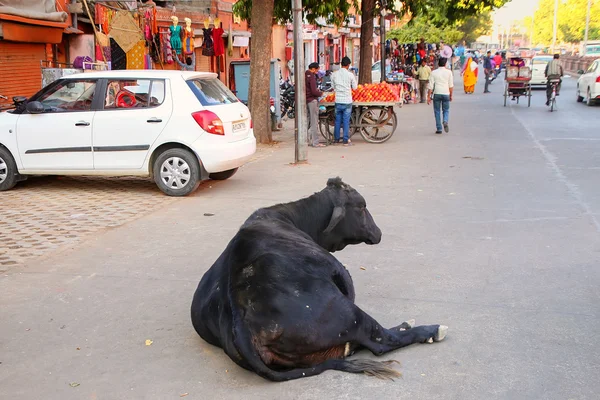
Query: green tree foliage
[[571, 21], [475, 26], [422, 27], [334, 11]]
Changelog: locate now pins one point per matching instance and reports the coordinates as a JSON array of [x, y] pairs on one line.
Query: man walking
[[343, 82], [441, 85], [487, 67], [423, 73], [553, 72], [312, 101]]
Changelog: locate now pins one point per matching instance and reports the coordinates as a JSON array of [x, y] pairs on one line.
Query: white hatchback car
[[177, 127], [538, 77], [588, 84]]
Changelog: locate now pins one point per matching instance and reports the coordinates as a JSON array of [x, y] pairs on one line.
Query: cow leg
[[379, 340]]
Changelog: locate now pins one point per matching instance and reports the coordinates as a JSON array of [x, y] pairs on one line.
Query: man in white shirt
[[343, 81], [441, 85]]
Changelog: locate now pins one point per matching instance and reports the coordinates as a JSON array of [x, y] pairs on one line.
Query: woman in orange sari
[[469, 72]]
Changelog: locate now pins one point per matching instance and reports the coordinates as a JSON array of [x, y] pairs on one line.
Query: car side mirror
[[580, 72], [34, 107]]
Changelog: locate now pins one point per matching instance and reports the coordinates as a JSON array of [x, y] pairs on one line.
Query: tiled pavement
[[46, 213]]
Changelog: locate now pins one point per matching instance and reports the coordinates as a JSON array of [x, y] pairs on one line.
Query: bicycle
[[552, 103]]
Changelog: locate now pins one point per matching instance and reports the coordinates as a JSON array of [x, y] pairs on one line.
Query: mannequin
[[188, 37], [175, 35]]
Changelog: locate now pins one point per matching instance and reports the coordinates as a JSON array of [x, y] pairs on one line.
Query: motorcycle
[[288, 100]]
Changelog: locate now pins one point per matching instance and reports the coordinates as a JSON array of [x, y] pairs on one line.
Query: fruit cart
[[373, 114]]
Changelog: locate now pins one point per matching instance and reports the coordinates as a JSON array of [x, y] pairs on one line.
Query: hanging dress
[[208, 48], [175, 38], [188, 41]]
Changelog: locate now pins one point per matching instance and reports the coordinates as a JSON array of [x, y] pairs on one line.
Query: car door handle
[[82, 123], [154, 120]]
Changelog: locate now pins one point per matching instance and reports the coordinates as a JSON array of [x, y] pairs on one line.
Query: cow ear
[[336, 217]]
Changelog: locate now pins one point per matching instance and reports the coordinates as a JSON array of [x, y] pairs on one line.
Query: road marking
[[572, 188], [519, 220], [572, 138]]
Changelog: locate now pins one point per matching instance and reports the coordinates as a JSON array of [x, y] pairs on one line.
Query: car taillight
[[251, 123], [598, 79], [209, 121], [271, 101]]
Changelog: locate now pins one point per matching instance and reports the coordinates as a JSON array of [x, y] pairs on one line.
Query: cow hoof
[[441, 333]]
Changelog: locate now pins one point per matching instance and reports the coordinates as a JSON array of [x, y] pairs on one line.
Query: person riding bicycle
[[553, 72]]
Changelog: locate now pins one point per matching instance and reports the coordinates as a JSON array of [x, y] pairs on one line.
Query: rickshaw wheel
[[505, 93], [377, 124], [529, 96]]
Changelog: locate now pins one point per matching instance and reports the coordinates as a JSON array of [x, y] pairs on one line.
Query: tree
[[571, 21], [439, 13], [475, 26], [262, 14], [421, 27]]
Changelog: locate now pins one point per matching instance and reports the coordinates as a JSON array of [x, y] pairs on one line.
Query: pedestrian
[[441, 85], [423, 73], [343, 82], [469, 73], [487, 68], [312, 101]]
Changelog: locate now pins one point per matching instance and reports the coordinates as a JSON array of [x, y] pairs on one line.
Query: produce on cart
[[373, 112]]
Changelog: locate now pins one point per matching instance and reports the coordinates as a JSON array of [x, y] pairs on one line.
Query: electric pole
[[587, 28], [554, 28], [382, 13], [301, 131]]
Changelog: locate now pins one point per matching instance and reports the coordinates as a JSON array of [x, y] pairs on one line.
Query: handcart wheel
[[377, 124], [505, 93], [327, 125], [529, 95]]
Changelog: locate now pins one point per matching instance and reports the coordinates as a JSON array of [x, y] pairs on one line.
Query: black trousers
[[549, 85]]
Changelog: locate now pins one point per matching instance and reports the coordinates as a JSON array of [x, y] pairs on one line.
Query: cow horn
[[336, 217]]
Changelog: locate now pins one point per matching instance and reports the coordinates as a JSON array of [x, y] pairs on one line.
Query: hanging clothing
[[218, 41], [135, 56], [117, 55], [208, 48], [188, 41], [175, 38]]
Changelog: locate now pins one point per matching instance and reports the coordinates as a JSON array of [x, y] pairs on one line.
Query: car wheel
[[176, 172], [8, 170], [221, 176], [589, 101], [579, 96]]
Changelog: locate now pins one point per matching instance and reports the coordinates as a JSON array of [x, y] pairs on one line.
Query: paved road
[[492, 229]]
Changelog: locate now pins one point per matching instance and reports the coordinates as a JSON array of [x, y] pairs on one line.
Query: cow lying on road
[[281, 305]]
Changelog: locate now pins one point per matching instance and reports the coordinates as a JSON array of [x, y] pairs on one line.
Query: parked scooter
[[288, 100]]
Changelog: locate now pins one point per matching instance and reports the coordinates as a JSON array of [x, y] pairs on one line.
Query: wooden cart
[[376, 121], [518, 79]]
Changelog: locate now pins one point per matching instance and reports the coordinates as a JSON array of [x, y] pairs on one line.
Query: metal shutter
[[20, 68]]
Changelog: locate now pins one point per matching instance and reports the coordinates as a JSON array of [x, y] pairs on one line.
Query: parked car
[[176, 127], [588, 84], [538, 77]]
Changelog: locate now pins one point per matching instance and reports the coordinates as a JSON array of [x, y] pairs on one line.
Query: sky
[[515, 10]]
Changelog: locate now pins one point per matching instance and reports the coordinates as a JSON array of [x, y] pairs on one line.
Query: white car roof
[[143, 73]]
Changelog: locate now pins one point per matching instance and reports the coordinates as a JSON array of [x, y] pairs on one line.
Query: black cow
[[281, 305]]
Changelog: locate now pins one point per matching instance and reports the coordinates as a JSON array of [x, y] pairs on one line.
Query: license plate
[[238, 126]]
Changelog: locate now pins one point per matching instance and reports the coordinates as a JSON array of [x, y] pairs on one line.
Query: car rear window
[[211, 92]]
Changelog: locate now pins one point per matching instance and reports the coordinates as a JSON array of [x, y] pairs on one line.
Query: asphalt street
[[492, 229]]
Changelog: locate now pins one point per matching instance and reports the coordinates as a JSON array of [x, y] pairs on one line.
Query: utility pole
[[587, 28], [382, 13], [301, 131], [555, 27]]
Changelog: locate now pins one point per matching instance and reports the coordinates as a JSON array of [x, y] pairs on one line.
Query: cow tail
[[243, 343]]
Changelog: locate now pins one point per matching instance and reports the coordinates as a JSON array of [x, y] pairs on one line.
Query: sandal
[[319, 145]]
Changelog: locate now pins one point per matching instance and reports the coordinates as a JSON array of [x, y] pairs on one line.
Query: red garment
[[218, 43], [498, 59]]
